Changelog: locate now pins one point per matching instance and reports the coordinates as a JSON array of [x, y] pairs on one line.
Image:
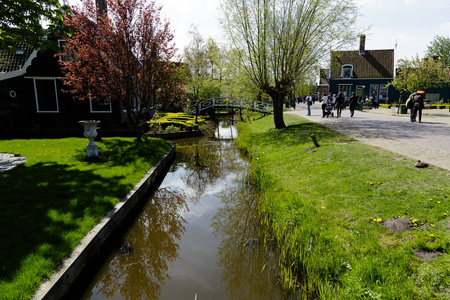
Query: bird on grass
[[420, 164]]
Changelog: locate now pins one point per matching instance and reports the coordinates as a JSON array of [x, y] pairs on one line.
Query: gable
[[14, 61], [374, 64], [15, 64]]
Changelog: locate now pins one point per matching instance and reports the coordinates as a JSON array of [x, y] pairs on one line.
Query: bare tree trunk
[[278, 102]]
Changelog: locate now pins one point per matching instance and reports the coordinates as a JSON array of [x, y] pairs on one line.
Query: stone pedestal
[[90, 132]]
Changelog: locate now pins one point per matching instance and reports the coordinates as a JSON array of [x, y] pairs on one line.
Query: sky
[[407, 26], [411, 24]]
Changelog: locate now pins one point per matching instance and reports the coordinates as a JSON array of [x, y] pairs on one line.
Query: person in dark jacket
[[309, 102], [417, 106], [339, 104], [352, 104]]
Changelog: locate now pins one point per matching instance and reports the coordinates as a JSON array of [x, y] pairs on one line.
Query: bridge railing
[[230, 102]]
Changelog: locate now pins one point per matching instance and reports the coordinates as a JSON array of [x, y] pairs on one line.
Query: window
[[46, 95], [374, 90], [347, 71], [135, 104], [383, 92], [345, 89], [100, 107], [68, 56]]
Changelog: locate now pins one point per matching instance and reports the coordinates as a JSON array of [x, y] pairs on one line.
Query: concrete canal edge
[[60, 282]]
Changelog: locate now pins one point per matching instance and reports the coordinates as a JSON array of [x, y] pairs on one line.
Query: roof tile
[[14, 61]]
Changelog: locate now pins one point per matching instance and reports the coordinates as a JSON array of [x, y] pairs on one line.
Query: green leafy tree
[[440, 46], [217, 59], [198, 61], [234, 81], [420, 73], [23, 22], [282, 40], [303, 87]]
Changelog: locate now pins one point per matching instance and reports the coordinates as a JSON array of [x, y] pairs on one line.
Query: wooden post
[[196, 112], [313, 137]]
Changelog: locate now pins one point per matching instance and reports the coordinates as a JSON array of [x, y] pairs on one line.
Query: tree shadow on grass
[[46, 209], [121, 152]]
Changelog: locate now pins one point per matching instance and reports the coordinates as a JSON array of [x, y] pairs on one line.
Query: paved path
[[428, 141]]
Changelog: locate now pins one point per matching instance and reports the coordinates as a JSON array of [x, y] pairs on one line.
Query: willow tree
[[282, 40]]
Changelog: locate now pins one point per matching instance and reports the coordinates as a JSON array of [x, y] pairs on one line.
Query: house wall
[[392, 94], [438, 94], [19, 108]]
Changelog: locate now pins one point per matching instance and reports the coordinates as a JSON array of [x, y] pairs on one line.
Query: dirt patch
[[397, 225], [427, 255]]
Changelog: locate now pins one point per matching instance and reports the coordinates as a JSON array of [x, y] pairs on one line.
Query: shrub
[[172, 128], [179, 120]]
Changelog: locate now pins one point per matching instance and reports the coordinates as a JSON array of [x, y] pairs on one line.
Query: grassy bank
[[49, 203], [327, 207]]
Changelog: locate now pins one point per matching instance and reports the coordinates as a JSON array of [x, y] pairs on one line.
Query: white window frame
[[36, 97], [64, 58], [346, 67], [92, 111]]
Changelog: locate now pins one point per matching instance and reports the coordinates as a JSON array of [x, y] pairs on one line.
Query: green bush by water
[[162, 121], [326, 206]]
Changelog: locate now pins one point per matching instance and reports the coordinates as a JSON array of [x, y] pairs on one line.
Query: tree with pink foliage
[[123, 53]]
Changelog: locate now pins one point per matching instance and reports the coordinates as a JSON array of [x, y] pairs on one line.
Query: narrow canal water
[[199, 236]]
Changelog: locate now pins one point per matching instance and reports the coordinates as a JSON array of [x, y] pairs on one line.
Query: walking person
[[339, 104], [418, 105], [409, 105], [333, 101], [309, 102], [324, 104], [352, 104]]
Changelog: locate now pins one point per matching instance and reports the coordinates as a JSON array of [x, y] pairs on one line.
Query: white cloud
[[410, 2], [444, 28]]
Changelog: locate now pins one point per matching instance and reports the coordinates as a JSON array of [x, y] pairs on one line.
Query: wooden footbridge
[[231, 103]]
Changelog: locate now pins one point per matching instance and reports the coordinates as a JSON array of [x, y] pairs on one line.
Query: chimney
[[362, 44]]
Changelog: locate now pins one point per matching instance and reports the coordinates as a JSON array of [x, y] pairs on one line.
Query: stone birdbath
[[90, 132]]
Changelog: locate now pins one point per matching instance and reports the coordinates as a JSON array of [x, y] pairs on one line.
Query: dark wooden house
[[33, 101], [365, 72]]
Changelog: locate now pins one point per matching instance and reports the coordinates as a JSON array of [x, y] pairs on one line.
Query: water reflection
[[140, 271], [206, 163], [226, 129], [245, 258], [215, 249]]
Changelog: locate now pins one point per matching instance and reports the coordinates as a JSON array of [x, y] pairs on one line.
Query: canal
[[199, 236]]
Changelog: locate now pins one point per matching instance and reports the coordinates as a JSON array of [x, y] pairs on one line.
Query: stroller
[[329, 110]]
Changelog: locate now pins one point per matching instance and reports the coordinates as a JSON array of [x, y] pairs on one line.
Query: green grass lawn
[[48, 204], [327, 205]]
